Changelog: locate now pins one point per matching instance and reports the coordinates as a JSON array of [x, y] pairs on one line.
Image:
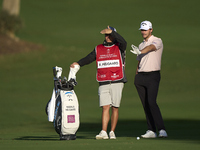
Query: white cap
[[145, 25]]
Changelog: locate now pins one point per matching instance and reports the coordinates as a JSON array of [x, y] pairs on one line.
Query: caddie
[[110, 61]]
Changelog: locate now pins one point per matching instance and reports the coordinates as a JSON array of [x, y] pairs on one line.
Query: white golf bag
[[63, 107]]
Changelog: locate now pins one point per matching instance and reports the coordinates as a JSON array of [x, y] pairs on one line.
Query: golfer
[[147, 78], [110, 61]]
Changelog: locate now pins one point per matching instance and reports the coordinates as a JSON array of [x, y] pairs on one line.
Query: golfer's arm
[[148, 49]]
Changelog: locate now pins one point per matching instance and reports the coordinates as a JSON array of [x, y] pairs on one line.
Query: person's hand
[[106, 31], [73, 64], [135, 50]]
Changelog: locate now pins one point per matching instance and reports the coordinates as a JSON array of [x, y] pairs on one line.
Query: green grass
[[70, 30]]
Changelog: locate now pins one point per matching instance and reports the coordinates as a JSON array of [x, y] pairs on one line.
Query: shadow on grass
[[177, 129], [39, 138]]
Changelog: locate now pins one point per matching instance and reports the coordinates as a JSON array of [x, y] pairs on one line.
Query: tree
[[10, 22], [12, 6]]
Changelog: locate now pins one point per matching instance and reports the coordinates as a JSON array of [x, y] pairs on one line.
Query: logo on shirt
[[154, 42]]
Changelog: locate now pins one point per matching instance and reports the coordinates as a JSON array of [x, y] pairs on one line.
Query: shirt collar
[[148, 38]]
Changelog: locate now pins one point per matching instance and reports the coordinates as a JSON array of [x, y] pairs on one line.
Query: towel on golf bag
[[51, 107], [72, 72]]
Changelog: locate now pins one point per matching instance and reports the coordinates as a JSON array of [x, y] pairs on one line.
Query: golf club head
[[57, 72]]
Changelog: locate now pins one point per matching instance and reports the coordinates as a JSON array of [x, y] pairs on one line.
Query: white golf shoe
[[102, 135], [162, 134], [149, 134], [112, 135]]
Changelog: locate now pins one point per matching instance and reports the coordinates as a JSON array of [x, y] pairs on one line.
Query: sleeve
[[88, 59], [122, 42], [157, 43]]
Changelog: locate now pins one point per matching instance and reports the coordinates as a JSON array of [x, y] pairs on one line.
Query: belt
[[109, 82], [149, 72]]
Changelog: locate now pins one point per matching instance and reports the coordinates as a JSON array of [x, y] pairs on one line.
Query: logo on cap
[[145, 25]]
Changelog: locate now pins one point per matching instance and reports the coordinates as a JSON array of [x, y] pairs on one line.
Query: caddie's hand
[[135, 50], [106, 31], [73, 64]]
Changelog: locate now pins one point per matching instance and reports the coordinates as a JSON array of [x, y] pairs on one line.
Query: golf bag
[[63, 107]]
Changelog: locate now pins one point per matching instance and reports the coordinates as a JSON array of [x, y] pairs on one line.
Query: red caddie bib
[[109, 63]]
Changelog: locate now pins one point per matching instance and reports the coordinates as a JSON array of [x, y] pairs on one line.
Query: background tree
[[12, 6], [10, 22]]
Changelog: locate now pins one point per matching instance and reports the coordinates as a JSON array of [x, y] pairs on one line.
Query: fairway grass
[[70, 30], [180, 137]]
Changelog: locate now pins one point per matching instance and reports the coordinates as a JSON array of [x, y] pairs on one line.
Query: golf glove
[[135, 50]]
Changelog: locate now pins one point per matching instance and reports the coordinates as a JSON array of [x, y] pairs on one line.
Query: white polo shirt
[[150, 61]]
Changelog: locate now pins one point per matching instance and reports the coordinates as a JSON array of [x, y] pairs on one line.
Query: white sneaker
[[102, 135], [162, 133], [149, 134], [112, 135]]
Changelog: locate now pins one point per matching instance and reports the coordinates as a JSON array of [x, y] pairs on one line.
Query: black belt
[[109, 82], [149, 72]]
